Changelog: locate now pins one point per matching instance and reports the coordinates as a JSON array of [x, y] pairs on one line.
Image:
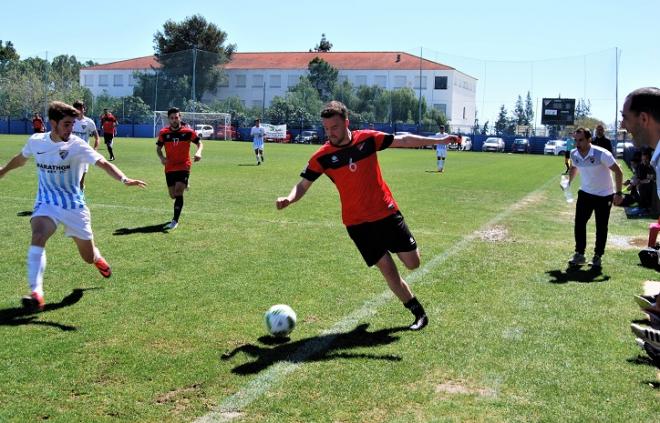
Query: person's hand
[[135, 182], [618, 199], [197, 157], [163, 160], [282, 202]]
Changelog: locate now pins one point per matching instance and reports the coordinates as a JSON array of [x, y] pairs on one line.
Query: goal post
[[221, 122]]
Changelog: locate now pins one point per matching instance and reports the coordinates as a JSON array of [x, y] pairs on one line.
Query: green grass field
[[177, 333]]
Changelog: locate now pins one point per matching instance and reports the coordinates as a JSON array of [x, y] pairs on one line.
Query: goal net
[[208, 125]]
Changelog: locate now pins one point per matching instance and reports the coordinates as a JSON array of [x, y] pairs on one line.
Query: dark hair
[[646, 100], [58, 111], [78, 104], [334, 108], [585, 131], [172, 111], [442, 127]]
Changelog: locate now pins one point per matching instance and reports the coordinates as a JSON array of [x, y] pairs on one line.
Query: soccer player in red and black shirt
[[176, 139], [371, 215]]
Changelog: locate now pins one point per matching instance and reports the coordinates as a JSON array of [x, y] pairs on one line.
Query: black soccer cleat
[[419, 323]]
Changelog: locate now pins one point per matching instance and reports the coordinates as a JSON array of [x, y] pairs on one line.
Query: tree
[[8, 52], [485, 130], [324, 45], [192, 43], [519, 115], [529, 109], [405, 105], [502, 122], [323, 77], [582, 109]]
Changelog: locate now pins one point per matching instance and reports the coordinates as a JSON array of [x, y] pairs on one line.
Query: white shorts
[[257, 145], [77, 222]]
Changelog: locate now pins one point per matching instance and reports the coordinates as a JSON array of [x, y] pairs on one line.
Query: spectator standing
[[38, 125], [596, 194], [602, 141]]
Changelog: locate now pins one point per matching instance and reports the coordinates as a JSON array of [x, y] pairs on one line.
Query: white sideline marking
[[233, 405]]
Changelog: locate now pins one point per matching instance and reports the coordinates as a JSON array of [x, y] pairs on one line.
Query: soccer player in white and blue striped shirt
[[61, 158]]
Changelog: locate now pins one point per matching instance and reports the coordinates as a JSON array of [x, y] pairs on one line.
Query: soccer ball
[[280, 320]]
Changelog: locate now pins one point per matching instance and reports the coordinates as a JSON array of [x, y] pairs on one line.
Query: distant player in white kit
[[60, 158], [441, 150], [83, 127], [257, 133]]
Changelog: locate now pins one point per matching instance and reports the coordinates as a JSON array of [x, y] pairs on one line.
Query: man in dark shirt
[[601, 141]]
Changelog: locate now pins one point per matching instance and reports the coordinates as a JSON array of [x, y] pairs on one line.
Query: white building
[[259, 77]]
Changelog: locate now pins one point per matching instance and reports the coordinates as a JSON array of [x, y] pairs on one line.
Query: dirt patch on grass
[[497, 233], [454, 387], [626, 242], [182, 398]]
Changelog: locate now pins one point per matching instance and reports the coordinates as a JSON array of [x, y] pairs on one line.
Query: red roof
[[291, 60]]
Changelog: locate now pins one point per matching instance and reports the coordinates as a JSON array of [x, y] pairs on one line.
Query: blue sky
[[550, 48]]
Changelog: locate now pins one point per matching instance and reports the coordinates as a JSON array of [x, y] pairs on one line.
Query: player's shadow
[[583, 275], [24, 213], [161, 227], [248, 164], [317, 348], [17, 316]]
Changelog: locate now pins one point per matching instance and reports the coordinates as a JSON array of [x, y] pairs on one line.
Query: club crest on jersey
[[63, 154], [334, 159]]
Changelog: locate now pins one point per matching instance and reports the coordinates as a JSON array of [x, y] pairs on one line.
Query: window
[[275, 81], [440, 82], [292, 80], [463, 112], [103, 80], [399, 81], [257, 81], [423, 79], [89, 80], [380, 81], [118, 80], [360, 80], [442, 108], [240, 81]]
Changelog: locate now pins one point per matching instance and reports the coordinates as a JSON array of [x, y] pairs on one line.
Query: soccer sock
[[112, 156], [97, 254], [36, 261], [178, 206], [441, 164], [415, 308]]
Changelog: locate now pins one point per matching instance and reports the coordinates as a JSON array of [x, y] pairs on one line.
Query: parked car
[[227, 133], [622, 146], [204, 131], [493, 144], [521, 145], [307, 137], [555, 147], [466, 143]]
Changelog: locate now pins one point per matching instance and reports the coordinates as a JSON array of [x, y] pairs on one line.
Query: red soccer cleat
[[34, 302], [104, 267]]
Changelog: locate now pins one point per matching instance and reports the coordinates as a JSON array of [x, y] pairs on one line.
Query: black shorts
[[567, 154], [375, 239], [107, 138], [177, 176]]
